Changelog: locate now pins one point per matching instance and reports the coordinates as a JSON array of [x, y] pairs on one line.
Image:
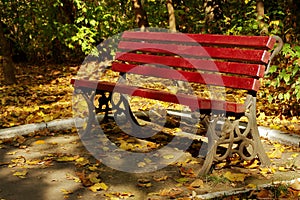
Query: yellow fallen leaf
[[66, 159], [251, 185], [93, 168], [170, 156], [275, 154], [64, 191], [182, 180], [253, 165], [282, 169], [93, 177], [33, 162], [141, 164], [221, 165], [82, 161], [198, 183], [98, 186], [295, 155], [11, 153], [38, 142], [21, 174], [267, 170], [162, 178], [235, 176], [145, 185]]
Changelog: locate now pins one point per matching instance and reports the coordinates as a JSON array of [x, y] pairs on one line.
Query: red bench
[[221, 64]]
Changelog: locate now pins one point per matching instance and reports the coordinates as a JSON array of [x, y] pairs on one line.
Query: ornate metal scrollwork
[[244, 142]]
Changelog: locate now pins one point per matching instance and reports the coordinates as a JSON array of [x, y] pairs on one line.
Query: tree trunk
[[260, 9], [140, 15], [213, 12], [172, 20], [6, 58]]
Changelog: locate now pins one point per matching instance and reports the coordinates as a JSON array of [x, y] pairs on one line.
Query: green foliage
[[58, 30], [284, 78], [64, 30]]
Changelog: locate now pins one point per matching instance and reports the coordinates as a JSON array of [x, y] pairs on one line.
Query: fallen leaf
[[198, 183], [21, 174], [39, 142], [33, 162], [82, 161], [251, 185], [264, 194], [275, 154], [295, 155], [170, 156], [172, 192], [162, 178], [282, 169], [66, 158], [64, 191], [251, 165], [11, 153], [141, 164], [93, 177], [189, 172], [119, 195], [71, 177], [93, 168], [98, 186], [145, 185], [182, 180], [84, 179], [221, 165], [235, 177], [267, 170]]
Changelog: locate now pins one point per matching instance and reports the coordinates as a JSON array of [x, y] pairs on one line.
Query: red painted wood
[[264, 42], [255, 70], [192, 101], [233, 56], [250, 55], [195, 77]]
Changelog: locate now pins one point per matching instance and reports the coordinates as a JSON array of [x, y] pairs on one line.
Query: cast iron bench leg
[[246, 143]]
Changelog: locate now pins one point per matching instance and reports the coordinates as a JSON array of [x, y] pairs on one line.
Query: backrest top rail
[[263, 42]]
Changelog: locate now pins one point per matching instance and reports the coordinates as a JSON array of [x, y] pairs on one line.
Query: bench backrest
[[230, 61]]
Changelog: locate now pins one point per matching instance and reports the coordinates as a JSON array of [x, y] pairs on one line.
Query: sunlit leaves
[[21, 174], [98, 186], [34, 99], [235, 177]]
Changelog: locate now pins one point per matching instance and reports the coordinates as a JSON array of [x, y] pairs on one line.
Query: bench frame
[[244, 142]]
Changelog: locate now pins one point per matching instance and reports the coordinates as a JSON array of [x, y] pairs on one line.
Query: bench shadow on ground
[[51, 167]]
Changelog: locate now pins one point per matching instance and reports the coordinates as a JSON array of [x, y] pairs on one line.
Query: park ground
[[55, 165]]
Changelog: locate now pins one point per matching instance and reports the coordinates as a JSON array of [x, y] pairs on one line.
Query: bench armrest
[[275, 52]]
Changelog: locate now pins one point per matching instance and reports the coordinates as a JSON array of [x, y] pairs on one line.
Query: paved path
[[54, 167]]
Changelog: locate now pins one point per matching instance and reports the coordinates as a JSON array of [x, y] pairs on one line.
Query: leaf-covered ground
[[55, 165], [44, 93]]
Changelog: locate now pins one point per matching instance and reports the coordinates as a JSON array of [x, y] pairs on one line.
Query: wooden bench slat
[[192, 101], [264, 42], [196, 77], [247, 55], [255, 70]]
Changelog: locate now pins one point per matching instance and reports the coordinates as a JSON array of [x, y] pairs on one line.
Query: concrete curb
[[279, 136], [65, 124], [238, 191], [61, 124]]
